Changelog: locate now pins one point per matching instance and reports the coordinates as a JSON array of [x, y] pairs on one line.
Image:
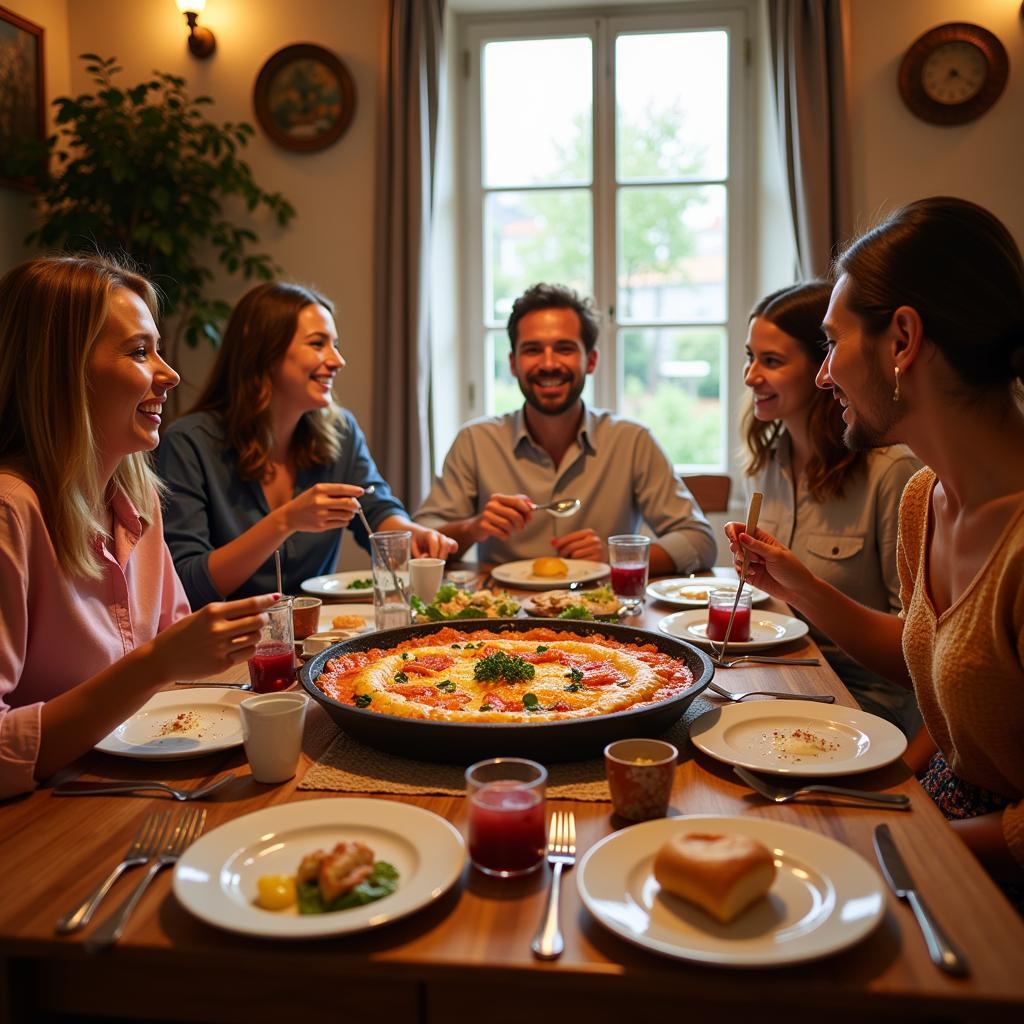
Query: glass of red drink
[[628, 555], [507, 837], [720, 602], [272, 666]]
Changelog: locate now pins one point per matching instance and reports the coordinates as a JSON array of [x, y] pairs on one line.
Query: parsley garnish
[[360, 584], [530, 702], [506, 667], [574, 687], [486, 707], [401, 677], [406, 655], [362, 700], [575, 674], [456, 647], [541, 649], [446, 687]]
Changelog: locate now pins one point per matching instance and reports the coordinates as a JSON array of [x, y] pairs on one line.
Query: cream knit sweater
[[968, 663]]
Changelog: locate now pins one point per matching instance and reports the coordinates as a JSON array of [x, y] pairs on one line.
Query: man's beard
[[572, 396], [872, 427]]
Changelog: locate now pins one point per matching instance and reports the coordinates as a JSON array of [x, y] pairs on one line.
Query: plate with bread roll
[[732, 891], [549, 572]]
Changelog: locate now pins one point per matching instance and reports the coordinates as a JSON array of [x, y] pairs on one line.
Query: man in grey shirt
[[555, 447]]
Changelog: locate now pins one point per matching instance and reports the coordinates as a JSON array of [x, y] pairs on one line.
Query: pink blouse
[[57, 630]]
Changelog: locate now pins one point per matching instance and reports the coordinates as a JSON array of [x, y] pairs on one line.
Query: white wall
[[895, 156], [16, 218]]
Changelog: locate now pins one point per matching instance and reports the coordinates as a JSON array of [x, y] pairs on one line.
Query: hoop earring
[[896, 393]]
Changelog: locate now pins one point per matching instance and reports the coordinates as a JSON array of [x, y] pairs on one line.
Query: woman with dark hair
[[926, 345], [833, 507], [266, 461], [93, 620]]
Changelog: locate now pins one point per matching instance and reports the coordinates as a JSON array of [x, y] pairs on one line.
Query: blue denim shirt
[[208, 505]]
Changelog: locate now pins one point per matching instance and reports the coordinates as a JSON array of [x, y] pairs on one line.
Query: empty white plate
[[767, 629]]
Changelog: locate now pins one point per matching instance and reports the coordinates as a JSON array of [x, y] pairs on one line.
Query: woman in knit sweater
[[926, 347]]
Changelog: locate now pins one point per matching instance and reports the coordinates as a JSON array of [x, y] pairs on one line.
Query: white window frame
[[737, 18]]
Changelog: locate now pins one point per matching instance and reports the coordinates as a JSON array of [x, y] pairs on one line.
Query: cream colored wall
[[330, 242], [15, 207], [895, 156]]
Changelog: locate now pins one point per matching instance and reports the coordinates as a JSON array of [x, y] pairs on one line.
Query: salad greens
[[361, 584], [451, 603], [383, 882]]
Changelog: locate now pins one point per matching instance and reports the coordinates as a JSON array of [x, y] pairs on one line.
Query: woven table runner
[[352, 767]]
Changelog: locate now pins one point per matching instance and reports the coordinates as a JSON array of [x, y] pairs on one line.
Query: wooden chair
[[711, 490]]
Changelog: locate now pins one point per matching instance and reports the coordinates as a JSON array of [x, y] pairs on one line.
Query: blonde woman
[[267, 461], [93, 619]]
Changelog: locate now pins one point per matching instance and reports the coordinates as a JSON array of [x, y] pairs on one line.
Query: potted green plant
[[142, 171]]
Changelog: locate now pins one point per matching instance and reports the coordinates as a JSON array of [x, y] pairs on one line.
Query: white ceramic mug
[[425, 577], [272, 726]]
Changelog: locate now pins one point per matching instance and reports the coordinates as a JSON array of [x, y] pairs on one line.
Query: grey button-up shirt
[[615, 467]]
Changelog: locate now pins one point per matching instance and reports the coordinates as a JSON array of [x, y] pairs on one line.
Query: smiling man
[[554, 447]]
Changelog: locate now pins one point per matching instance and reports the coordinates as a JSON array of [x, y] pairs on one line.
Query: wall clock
[[953, 73]]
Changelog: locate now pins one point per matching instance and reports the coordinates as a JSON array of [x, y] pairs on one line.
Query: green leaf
[[530, 702], [446, 687], [362, 700]]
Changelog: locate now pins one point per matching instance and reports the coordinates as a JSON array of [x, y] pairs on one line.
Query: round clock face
[[953, 73]]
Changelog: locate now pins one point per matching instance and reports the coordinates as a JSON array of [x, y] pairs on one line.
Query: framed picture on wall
[[304, 98], [22, 99]]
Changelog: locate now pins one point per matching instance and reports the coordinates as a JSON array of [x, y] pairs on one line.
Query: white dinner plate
[[520, 574], [337, 585], [177, 724], [825, 896], [692, 592], [216, 877], [792, 737], [329, 611], [767, 629]]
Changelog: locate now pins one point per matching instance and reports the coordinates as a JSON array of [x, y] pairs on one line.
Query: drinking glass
[[629, 555], [390, 552], [720, 602], [272, 666], [506, 815]]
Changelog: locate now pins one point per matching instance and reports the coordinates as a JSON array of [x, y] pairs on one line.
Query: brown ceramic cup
[[305, 616], [640, 774]]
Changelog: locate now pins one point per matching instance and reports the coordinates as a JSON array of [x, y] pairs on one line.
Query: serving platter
[[463, 742]]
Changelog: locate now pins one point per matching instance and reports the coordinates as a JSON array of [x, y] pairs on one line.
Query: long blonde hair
[[52, 309], [259, 331]]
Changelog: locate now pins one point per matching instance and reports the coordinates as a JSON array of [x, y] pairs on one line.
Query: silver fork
[[782, 795], [548, 943], [763, 659], [140, 849], [173, 841], [103, 788], [820, 698]]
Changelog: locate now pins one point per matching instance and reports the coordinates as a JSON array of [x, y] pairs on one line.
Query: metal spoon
[[559, 509]]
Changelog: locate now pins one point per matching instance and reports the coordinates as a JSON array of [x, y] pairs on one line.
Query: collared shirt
[[209, 504], [57, 630], [849, 542], [615, 467]]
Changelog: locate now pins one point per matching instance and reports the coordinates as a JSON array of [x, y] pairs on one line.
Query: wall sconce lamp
[[200, 40]]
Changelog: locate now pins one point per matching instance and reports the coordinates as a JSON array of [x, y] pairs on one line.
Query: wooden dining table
[[466, 956]]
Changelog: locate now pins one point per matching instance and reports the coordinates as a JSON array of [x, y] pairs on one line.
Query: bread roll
[[549, 566], [721, 874]]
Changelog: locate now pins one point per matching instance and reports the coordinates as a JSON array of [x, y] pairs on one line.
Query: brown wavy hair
[[52, 310], [258, 333], [798, 311]]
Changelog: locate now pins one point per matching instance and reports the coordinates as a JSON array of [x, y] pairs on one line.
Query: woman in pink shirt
[[93, 619]]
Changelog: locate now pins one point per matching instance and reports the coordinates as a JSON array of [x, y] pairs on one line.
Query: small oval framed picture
[[304, 98]]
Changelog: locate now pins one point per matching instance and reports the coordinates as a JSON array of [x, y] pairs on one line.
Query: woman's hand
[[322, 507], [211, 640], [772, 566], [427, 543]]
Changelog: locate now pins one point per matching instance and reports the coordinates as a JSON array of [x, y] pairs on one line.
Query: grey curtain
[[808, 66], [402, 437]]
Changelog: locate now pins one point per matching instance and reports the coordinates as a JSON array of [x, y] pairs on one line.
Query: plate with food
[[177, 724], [736, 892], [319, 867], [692, 592], [452, 603], [548, 572], [598, 603], [767, 629], [452, 691], [792, 737], [355, 585]]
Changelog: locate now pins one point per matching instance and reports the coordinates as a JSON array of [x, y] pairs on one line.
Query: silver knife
[[944, 954]]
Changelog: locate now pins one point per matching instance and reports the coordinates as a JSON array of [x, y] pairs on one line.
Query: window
[[608, 154]]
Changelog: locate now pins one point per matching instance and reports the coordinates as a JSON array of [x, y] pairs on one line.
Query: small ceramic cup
[[305, 616], [272, 725], [640, 774], [425, 577]]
